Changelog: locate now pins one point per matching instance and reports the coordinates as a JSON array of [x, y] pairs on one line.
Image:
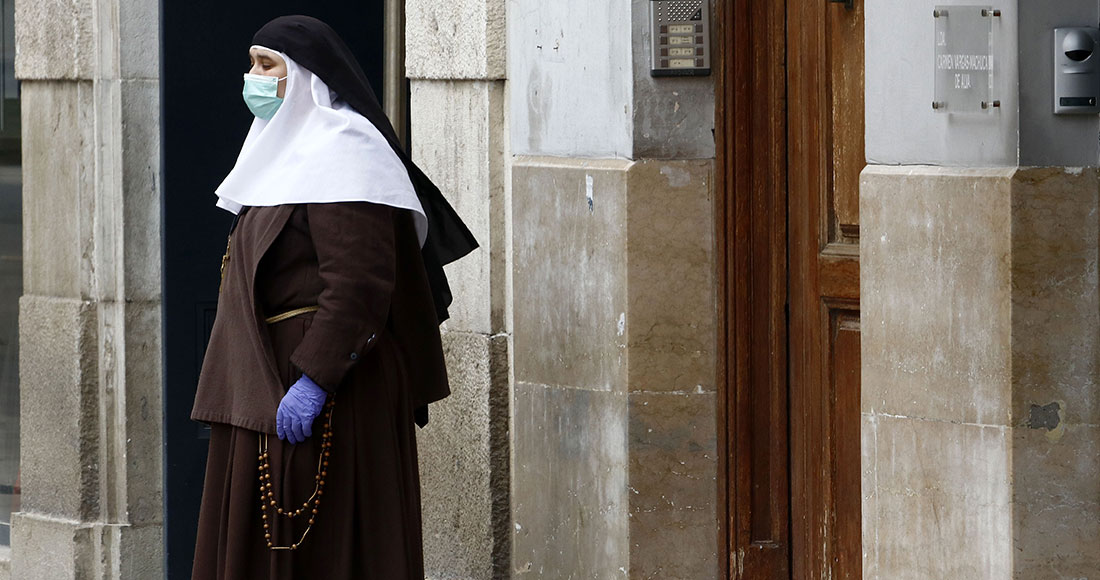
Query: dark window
[[11, 271]]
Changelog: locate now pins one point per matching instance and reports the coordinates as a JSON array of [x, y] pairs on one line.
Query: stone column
[[456, 63], [614, 263], [90, 317], [980, 356]]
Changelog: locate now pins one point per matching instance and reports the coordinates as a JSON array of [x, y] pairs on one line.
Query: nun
[[325, 351]]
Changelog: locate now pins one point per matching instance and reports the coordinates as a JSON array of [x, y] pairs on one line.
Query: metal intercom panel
[[1076, 71], [681, 37]]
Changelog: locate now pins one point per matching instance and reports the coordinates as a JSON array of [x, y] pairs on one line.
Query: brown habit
[[374, 344]]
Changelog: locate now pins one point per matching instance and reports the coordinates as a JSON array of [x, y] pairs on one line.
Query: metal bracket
[[849, 4]]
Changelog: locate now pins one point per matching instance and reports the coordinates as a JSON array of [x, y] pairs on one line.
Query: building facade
[[786, 320]]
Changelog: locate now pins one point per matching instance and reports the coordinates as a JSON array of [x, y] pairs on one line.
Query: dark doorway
[[204, 54]]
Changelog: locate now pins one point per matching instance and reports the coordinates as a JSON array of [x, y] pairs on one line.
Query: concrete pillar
[[980, 404], [90, 317], [614, 411], [456, 63]]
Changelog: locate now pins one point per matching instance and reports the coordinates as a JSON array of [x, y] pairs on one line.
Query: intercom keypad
[[681, 37]]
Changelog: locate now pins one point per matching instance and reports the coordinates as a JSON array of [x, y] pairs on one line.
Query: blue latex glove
[[299, 407]]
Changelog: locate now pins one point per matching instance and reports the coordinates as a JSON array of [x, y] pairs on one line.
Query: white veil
[[317, 149]]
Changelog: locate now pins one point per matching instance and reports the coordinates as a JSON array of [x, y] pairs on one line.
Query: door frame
[[751, 152]]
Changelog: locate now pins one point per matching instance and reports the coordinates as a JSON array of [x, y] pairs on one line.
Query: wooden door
[[790, 151], [826, 156]]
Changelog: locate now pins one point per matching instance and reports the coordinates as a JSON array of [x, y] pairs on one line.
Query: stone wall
[[980, 359], [615, 458], [590, 306], [90, 317], [615, 441], [980, 311], [456, 64]]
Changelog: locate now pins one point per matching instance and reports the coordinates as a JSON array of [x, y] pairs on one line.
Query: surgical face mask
[[261, 94]]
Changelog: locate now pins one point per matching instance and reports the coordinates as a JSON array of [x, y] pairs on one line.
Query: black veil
[[316, 46]]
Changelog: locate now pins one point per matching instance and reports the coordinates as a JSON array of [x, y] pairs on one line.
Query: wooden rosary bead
[[265, 484]]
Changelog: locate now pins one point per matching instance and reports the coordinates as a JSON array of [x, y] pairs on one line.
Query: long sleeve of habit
[[354, 243]]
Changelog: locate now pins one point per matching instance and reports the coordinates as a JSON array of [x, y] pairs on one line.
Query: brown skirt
[[368, 525]]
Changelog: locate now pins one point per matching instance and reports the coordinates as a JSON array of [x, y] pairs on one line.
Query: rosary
[[267, 496]]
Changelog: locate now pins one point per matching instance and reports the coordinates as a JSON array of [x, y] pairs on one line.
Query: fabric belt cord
[[291, 314]]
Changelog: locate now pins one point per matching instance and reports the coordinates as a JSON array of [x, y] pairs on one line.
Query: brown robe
[[374, 343]]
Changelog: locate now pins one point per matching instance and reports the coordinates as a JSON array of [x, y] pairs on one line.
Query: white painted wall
[[570, 70], [902, 128]]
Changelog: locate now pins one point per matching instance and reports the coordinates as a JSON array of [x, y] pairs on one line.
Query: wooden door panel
[[826, 128], [789, 132], [844, 425], [752, 157], [844, 71]]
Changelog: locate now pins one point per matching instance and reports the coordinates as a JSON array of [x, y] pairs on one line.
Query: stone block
[[464, 464], [60, 406], [464, 39], [1056, 502], [56, 39], [5, 563], [570, 272], [141, 552], [137, 376], [58, 188], [466, 161], [136, 225], [1055, 306], [869, 494], [673, 458], [570, 503], [942, 500], [139, 38], [51, 549], [673, 116], [936, 293], [671, 276]]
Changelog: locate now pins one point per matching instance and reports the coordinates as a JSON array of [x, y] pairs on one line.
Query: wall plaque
[[964, 59]]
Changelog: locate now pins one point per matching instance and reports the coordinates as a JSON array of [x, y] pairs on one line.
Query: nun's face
[[265, 62]]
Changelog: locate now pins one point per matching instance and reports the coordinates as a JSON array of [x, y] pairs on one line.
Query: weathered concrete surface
[[464, 463], [90, 317], [58, 129], [458, 139], [55, 39], [939, 504], [615, 445], [59, 373], [673, 472], [464, 39], [570, 69], [673, 116], [936, 293], [671, 283], [457, 62], [570, 276], [980, 357], [1056, 373], [466, 161], [571, 490], [937, 393]]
